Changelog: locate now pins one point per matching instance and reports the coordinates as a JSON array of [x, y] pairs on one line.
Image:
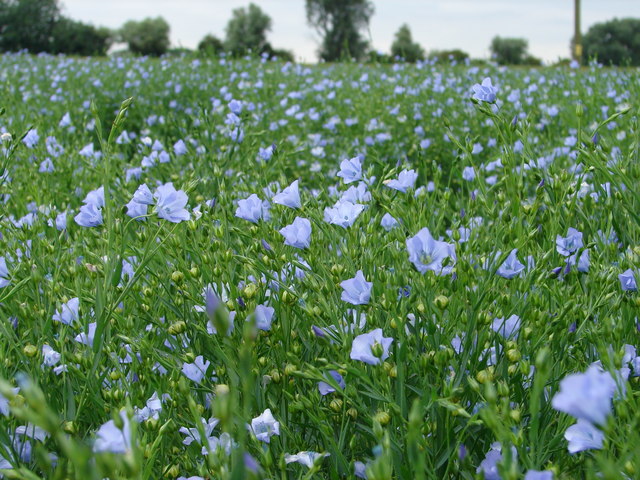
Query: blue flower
[[628, 281], [298, 234], [91, 212], [265, 426], [252, 209], [539, 475], [351, 170], [363, 347], [136, 210], [426, 253], [196, 371], [388, 222], [583, 436], [485, 92], [289, 197], [143, 195], [468, 174], [507, 328], [264, 316], [326, 389], [305, 458], [511, 267], [113, 439], [356, 290], [170, 203], [586, 396], [343, 213], [69, 312], [569, 244], [406, 179], [4, 273]]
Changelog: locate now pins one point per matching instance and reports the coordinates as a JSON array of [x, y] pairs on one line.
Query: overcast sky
[[436, 24]]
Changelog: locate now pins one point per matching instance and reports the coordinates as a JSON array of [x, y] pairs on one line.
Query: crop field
[[229, 269]]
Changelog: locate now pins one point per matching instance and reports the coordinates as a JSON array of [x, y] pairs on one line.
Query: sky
[[435, 24]]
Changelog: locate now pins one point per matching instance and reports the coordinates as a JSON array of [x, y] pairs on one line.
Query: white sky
[[436, 24]]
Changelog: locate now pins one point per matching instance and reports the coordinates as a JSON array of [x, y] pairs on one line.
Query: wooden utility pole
[[577, 36]]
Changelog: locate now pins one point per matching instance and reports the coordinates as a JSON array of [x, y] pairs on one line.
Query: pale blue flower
[[362, 347], [251, 209], [69, 312], [511, 267], [143, 195], [31, 139], [539, 475], [265, 426], [264, 316], [628, 281], [170, 203], [304, 458], [136, 210], [356, 290], [196, 371], [298, 234], [193, 434], [4, 273], [485, 92], [426, 253], [89, 216], [111, 439], [586, 396], [406, 179], [468, 174], [388, 222], [343, 213], [569, 244], [583, 436], [351, 170], [324, 388], [289, 197], [46, 166], [179, 148], [508, 328]]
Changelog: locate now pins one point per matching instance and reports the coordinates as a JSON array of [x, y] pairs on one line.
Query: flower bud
[[441, 301]]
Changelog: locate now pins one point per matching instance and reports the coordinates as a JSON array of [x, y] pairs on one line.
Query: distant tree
[[403, 46], [27, 24], [147, 37], [210, 45], [247, 30], [340, 23], [448, 56], [509, 51], [616, 42], [77, 38]]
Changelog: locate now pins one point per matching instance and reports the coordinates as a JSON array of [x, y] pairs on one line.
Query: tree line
[[39, 26]]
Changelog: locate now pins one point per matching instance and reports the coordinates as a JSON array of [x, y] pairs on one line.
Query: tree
[[509, 51], [77, 38], [247, 30], [403, 46], [210, 45], [340, 23], [27, 24], [616, 42], [147, 37]]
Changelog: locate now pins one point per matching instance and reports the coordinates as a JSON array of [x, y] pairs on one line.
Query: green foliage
[[448, 56], [146, 37], [210, 45], [77, 38], [27, 24], [404, 47], [616, 42], [509, 51], [340, 23], [247, 30]]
